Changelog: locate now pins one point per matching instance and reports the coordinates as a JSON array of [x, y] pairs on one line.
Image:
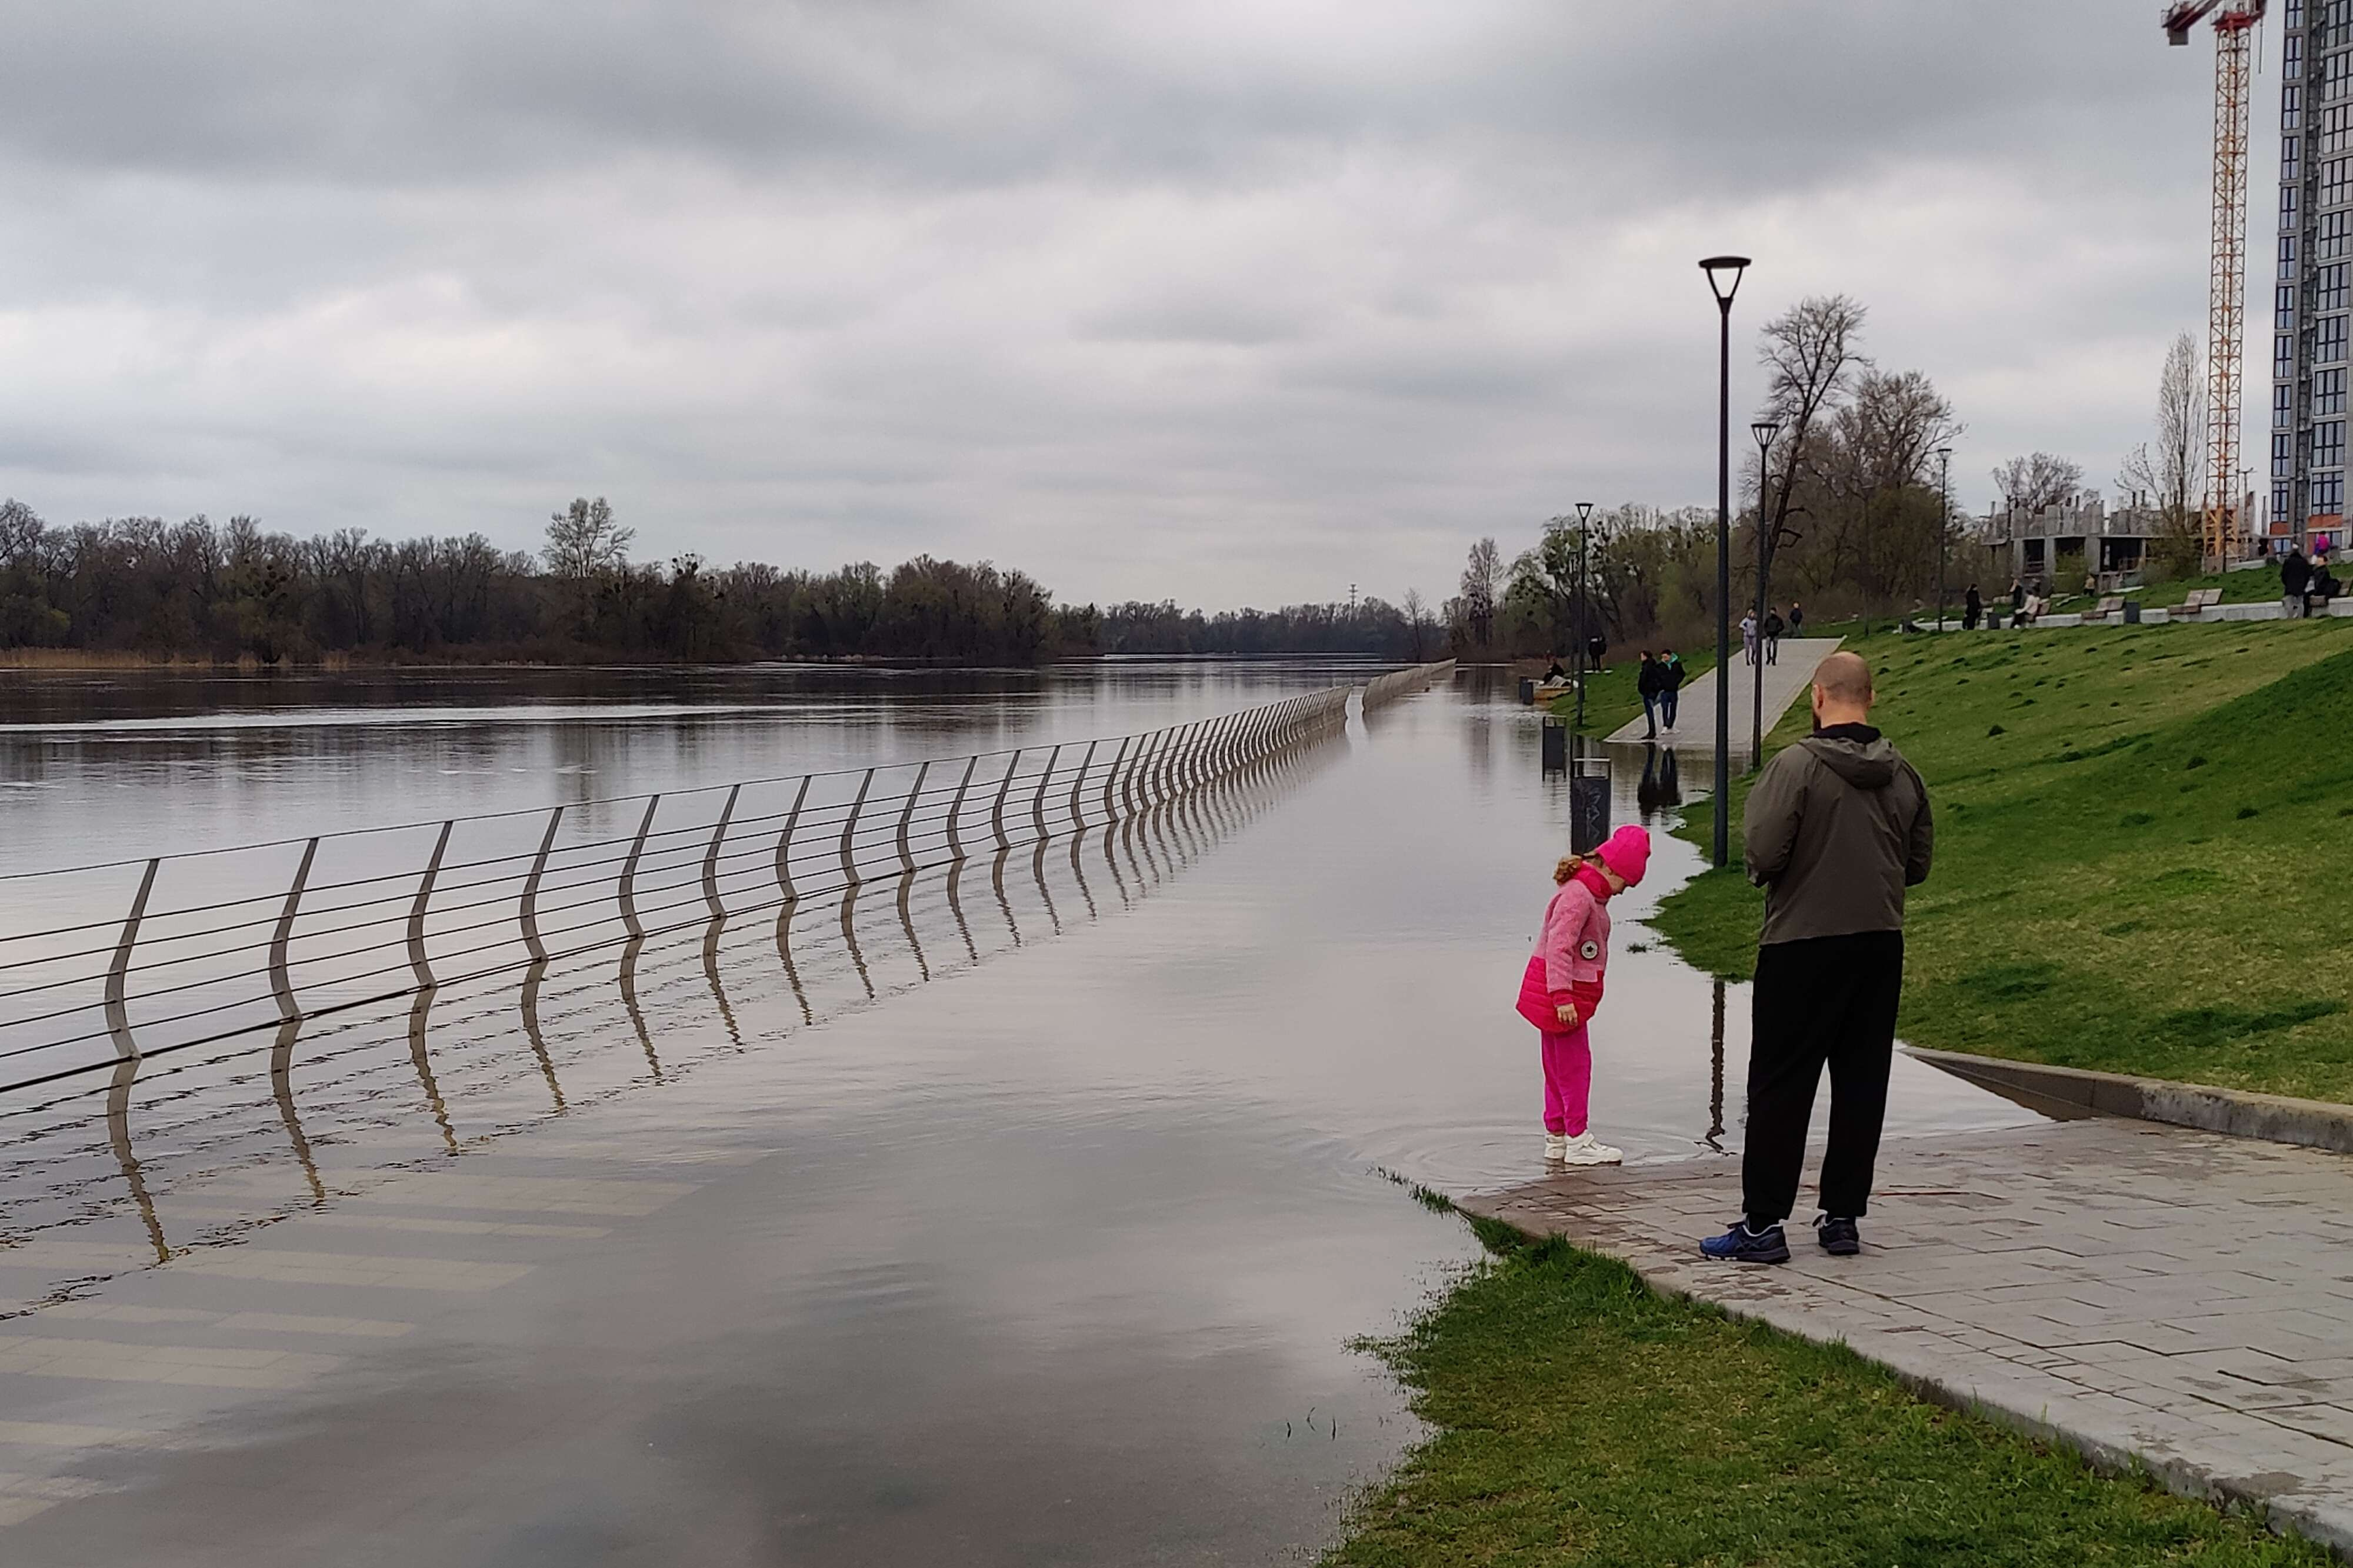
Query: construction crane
[[2224, 529]]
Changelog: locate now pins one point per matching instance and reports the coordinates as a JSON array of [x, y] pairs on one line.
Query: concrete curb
[[2273, 1118], [2108, 1453]]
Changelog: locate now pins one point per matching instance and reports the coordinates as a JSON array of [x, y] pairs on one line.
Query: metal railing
[[216, 944], [1403, 682]]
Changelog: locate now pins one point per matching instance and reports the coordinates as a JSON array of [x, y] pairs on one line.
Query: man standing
[[1749, 638], [1836, 827], [1650, 682], [2296, 576], [1772, 630], [1670, 691]]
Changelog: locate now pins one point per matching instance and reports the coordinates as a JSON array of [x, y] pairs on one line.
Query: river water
[[1024, 1218]]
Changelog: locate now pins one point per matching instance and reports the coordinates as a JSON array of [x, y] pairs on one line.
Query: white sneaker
[[1582, 1149], [1555, 1147]]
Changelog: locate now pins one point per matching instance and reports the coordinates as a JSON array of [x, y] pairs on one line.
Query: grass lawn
[[1582, 1419], [2142, 850]]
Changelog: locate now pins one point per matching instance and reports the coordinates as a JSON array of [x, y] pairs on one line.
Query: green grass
[[1581, 1418], [2142, 850], [2238, 587]]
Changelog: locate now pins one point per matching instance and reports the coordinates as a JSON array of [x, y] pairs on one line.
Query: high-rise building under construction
[[2310, 302]]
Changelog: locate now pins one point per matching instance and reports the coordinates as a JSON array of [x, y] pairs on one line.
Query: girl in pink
[[1562, 986]]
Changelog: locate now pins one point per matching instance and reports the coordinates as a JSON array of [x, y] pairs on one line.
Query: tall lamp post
[[1724, 275], [1944, 524], [1584, 606], [1764, 430]]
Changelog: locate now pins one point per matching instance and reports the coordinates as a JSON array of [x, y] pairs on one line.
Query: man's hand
[[1567, 1013]]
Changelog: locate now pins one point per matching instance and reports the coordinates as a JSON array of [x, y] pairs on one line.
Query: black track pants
[[1824, 1000]]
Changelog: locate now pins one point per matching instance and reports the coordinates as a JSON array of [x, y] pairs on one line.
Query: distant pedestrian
[[2296, 576], [1651, 681], [1749, 638], [1796, 620], [1836, 827], [1561, 988], [1671, 697], [1553, 672], [1772, 630], [1972, 608], [1595, 646]]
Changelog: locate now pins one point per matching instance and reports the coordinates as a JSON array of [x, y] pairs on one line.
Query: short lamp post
[[1584, 606], [1764, 430], [1944, 525], [1724, 275]]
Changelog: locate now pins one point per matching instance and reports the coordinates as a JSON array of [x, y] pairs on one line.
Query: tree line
[[237, 591]]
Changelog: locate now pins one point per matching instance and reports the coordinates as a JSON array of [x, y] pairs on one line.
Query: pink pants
[[1568, 1081]]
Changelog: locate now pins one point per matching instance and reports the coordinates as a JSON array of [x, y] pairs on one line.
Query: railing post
[[1110, 779], [906, 854], [117, 1014], [281, 985], [417, 959], [629, 869], [1180, 752], [711, 857], [1136, 769], [997, 812], [849, 848], [1080, 782], [785, 845], [527, 914], [955, 808], [1038, 801]]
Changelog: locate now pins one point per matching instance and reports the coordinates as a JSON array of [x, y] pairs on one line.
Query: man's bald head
[[1843, 693]]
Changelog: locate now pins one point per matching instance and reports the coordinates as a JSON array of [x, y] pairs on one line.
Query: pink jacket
[[1575, 941]]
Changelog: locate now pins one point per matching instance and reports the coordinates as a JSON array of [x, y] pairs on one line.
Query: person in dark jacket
[[1651, 681], [1773, 628], [1972, 608], [1671, 664], [1796, 620], [1595, 646], [2296, 576], [1837, 826]]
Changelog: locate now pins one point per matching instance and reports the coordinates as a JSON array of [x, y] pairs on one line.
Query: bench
[[2199, 601], [2104, 609]]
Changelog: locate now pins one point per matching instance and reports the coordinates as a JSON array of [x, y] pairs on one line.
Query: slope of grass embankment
[[2142, 838]]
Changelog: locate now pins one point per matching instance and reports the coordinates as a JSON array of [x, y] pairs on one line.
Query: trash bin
[[1528, 689], [2132, 612], [1555, 746]]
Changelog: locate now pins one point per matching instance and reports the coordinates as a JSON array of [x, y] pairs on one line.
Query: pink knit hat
[[1627, 852]]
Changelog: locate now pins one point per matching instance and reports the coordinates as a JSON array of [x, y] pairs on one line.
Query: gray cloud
[[1227, 302]]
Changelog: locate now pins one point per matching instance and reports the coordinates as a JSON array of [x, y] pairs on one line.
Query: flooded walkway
[[1024, 1218]]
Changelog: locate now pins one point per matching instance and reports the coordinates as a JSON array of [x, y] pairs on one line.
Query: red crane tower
[[2224, 530]]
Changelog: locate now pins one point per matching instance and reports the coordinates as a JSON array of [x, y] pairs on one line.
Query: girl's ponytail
[[1570, 865]]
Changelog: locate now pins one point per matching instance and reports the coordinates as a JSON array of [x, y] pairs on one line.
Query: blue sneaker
[[1741, 1244]]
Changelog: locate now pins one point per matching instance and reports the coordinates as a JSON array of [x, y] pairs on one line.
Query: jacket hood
[[1865, 764]]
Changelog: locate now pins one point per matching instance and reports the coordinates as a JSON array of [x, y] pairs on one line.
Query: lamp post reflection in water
[[1588, 794], [1715, 1076]]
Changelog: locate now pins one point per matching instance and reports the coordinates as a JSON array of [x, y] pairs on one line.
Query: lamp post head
[[1764, 430], [1944, 454], [1584, 511], [1723, 274]]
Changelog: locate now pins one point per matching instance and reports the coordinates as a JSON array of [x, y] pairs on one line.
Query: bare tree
[[2170, 474], [583, 544], [1418, 623], [2041, 479], [1812, 352], [1482, 579]]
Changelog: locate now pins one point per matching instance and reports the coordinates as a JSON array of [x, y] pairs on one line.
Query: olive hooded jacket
[[1836, 827]]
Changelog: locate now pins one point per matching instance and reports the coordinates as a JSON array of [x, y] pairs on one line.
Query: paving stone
[[2178, 1296]]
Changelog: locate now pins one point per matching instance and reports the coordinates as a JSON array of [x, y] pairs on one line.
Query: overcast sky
[[1224, 301]]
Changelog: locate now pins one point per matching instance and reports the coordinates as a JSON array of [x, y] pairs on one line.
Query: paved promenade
[[1785, 683], [2139, 1291]]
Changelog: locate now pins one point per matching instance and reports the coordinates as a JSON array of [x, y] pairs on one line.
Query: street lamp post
[[1944, 524], [1584, 606], [1764, 430], [1724, 287]]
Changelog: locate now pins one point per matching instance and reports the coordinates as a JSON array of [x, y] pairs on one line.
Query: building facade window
[[2283, 305], [2287, 258], [2282, 354], [2283, 403], [2282, 455], [2327, 495], [2328, 287], [2335, 182], [2280, 504], [2335, 77], [2329, 444], [2329, 341], [2291, 104], [2329, 391]]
